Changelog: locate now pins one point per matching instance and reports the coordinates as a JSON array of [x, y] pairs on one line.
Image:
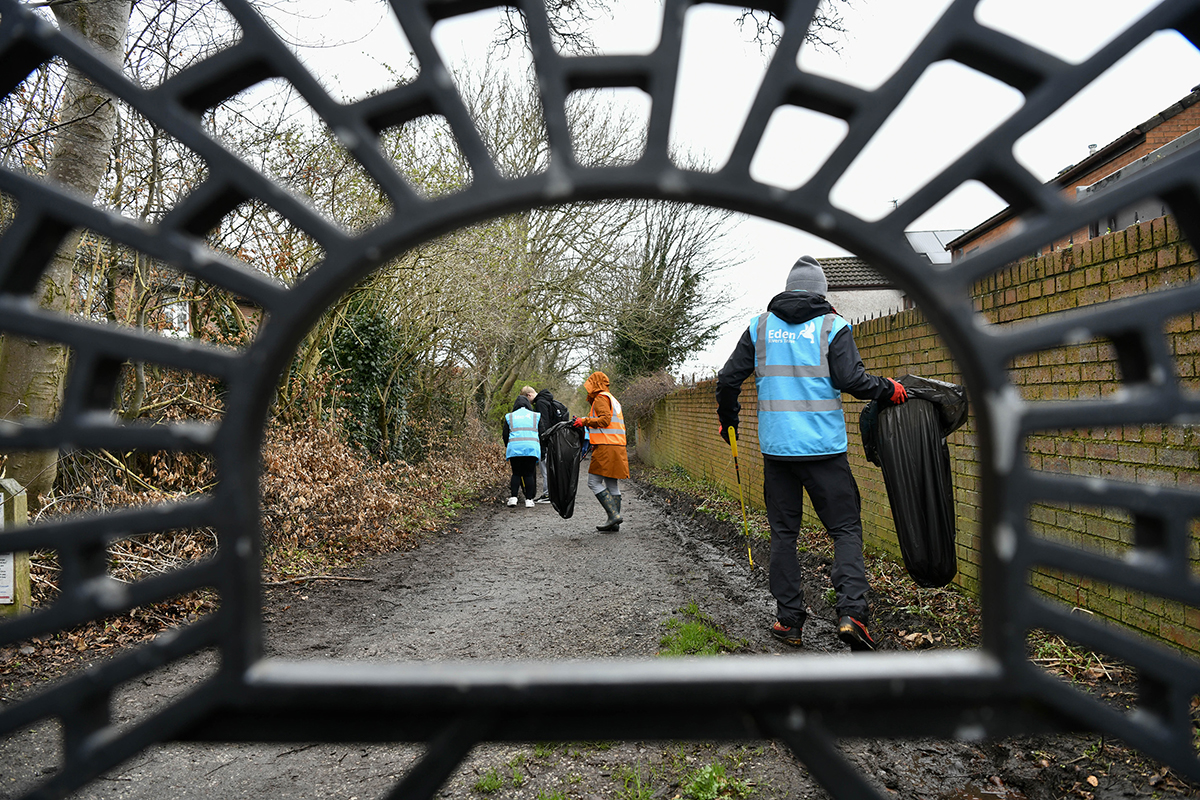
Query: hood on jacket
[[796, 307], [522, 402], [596, 383]]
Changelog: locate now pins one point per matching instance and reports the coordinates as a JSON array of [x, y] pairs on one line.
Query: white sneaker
[[512, 502], [529, 504]]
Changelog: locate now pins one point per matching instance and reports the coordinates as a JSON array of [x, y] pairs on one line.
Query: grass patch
[[694, 633], [631, 786], [711, 783], [489, 783]]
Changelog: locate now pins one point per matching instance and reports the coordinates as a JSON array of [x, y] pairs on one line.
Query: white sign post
[[6, 572], [7, 579], [15, 596]]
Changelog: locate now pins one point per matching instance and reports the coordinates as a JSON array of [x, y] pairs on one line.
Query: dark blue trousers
[[835, 499]]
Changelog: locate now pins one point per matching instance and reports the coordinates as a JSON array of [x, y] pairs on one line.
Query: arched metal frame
[[806, 701]]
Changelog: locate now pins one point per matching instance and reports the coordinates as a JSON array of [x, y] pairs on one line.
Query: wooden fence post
[[15, 597]]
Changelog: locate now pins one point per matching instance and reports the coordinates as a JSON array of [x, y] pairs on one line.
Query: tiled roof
[[852, 273]]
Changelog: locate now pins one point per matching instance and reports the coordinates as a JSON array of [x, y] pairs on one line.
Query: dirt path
[[521, 584]]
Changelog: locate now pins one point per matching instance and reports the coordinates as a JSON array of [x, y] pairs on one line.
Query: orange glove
[[724, 431], [899, 395], [577, 422]]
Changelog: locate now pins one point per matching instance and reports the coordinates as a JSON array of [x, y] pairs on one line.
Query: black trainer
[[786, 633], [855, 634]]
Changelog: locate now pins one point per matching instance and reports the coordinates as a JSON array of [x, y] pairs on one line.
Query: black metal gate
[[807, 702]]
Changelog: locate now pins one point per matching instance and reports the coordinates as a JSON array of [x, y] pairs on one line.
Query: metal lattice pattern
[[806, 702]]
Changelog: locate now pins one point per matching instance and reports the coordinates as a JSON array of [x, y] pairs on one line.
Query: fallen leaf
[[1093, 780]]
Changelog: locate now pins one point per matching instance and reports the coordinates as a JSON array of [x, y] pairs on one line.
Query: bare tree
[[31, 373]]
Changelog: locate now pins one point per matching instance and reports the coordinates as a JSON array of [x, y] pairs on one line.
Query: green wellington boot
[[613, 523]]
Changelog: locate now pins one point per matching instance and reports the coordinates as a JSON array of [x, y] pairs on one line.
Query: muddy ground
[[523, 583]]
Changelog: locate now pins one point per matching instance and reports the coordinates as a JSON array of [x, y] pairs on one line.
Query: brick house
[[1162, 136], [129, 288]]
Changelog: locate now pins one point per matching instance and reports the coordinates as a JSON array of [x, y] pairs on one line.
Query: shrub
[[639, 399]]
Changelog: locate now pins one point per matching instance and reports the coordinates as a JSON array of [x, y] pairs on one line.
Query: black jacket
[[846, 369], [543, 404]]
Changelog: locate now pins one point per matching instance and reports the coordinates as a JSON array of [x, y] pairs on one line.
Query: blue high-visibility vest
[[799, 410], [522, 434]]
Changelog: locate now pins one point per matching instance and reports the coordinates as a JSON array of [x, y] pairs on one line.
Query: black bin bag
[[562, 447], [908, 442]]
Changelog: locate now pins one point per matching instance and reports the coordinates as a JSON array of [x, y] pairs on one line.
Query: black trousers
[[835, 499], [524, 474]]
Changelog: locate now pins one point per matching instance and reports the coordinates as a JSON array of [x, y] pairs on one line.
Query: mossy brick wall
[[1144, 258], [683, 433]]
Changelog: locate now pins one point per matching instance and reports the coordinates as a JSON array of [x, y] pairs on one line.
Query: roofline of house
[[858, 287], [1110, 151], [1124, 144]]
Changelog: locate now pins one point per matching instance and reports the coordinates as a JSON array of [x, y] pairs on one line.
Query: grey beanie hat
[[806, 275]]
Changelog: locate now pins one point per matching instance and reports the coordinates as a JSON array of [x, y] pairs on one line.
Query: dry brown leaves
[[325, 505]]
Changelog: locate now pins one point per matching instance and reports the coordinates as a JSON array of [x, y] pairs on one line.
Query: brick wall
[[1143, 258]]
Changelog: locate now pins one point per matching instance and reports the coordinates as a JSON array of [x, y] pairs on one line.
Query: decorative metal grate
[[807, 702]]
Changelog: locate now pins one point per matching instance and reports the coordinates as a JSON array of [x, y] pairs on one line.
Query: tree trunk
[[32, 373]]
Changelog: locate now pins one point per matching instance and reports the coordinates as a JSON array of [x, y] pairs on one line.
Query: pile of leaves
[[326, 505]]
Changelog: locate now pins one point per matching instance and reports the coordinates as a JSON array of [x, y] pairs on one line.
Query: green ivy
[[372, 395]]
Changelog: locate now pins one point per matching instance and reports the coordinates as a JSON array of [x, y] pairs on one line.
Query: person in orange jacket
[[610, 462]]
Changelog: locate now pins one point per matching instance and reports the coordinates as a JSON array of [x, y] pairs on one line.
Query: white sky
[[950, 108]]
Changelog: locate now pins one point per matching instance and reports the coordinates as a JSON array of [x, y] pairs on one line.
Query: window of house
[[177, 319]]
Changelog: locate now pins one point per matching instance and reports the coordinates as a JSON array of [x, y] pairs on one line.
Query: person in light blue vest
[[523, 449], [803, 357]]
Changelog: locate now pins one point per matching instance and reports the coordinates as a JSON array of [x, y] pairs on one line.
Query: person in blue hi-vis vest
[[523, 449], [802, 355]]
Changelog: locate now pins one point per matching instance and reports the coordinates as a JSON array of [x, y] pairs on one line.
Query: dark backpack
[[558, 412], [552, 411]]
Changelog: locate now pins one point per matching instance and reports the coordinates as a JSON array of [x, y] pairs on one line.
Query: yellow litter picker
[[741, 496]]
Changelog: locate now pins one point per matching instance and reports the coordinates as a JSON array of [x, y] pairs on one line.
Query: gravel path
[[523, 584]]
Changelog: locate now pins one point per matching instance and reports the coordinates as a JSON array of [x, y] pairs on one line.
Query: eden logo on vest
[[808, 332]]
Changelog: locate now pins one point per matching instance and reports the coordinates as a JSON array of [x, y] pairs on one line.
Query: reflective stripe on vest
[[799, 410], [522, 434], [615, 433]]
